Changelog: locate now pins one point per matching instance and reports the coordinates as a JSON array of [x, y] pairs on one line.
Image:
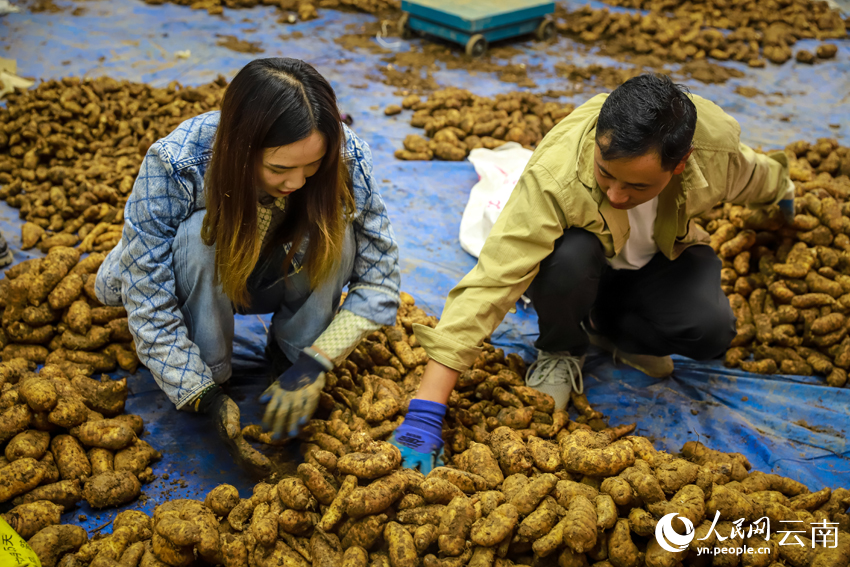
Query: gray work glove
[[293, 397], [226, 418]]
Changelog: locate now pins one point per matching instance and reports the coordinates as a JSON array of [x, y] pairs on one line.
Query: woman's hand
[[226, 419], [293, 397]]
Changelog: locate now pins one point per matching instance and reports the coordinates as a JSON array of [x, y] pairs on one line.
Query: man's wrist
[[426, 415], [437, 383], [790, 191]]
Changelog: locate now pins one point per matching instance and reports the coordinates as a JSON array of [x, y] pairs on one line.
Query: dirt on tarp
[[293, 35], [406, 81], [39, 6], [609, 78], [748, 92], [418, 60], [292, 10], [708, 72], [816, 428], [599, 75], [284, 459], [362, 36], [410, 70], [233, 43], [377, 7]]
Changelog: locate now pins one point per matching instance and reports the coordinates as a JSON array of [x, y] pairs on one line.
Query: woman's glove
[[293, 397], [419, 438], [226, 419]]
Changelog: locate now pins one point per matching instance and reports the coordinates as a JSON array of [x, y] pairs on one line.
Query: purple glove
[[787, 208], [419, 437]]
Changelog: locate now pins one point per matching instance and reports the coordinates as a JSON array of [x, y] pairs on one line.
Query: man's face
[[629, 182]]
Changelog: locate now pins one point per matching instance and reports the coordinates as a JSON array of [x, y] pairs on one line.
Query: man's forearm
[[437, 383]]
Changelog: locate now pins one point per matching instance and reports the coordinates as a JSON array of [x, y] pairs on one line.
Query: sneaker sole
[[647, 371], [605, 344]]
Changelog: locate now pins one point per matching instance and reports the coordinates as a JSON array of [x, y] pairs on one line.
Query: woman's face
[[285, 169]]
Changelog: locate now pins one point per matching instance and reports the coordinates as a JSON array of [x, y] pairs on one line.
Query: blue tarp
[[790, 425]]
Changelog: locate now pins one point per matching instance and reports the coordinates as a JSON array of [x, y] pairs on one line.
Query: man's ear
[[681, 167]]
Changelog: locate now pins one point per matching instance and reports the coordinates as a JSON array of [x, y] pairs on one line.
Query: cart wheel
[[476, 46], [404, 26], [545, 30]]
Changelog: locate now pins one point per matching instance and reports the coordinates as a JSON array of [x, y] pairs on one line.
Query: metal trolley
[[475, 23]]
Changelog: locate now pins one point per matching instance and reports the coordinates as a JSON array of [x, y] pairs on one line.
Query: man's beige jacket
[[558, 191]]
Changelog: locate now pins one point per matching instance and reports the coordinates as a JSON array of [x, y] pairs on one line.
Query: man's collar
[[692, 177], [584, 163]]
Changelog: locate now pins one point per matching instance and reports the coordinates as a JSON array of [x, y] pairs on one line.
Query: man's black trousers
[[666, 307]]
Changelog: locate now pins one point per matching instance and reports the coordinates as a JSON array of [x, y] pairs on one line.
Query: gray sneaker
[[556, 374], [5, 254]]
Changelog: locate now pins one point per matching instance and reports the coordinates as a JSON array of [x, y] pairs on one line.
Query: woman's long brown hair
[[270, 103]]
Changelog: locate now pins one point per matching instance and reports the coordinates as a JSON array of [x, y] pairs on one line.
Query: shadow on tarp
[[795, 427]]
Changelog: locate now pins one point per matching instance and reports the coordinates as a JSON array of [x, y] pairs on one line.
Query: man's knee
[[708, 334], [577, 259]]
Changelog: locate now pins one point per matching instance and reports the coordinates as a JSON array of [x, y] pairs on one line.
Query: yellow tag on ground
[[14, 551]]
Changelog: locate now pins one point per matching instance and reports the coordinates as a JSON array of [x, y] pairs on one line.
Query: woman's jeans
[[300, 315]]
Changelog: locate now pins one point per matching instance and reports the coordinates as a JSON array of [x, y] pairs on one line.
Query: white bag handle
[[498, 172]]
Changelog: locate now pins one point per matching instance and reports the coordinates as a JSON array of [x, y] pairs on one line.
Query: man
[[599, 232]]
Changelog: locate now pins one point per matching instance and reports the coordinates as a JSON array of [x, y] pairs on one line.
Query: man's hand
[[294, 396], [225, 415], [786, 205], [419, 437]]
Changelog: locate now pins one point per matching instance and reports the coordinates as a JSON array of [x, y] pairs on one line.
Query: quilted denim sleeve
[[160, 201], [373, 292]]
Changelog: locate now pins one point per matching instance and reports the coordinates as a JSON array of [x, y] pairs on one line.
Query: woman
[[268, 206]]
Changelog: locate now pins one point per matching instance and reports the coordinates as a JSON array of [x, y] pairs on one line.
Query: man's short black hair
[[647, 113]]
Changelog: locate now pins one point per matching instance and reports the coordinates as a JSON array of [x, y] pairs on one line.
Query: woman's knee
[[193, 261]]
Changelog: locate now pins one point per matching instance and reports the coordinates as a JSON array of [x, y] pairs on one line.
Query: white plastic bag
[[498, 171], [7, 8]]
